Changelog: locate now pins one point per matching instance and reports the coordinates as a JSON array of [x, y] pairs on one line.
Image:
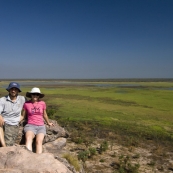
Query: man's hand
[[1, 121]]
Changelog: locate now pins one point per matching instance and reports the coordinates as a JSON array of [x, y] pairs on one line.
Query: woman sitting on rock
[[35, 112]]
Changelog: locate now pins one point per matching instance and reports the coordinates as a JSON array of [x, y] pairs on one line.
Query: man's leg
[[2, 141], [10, 134]]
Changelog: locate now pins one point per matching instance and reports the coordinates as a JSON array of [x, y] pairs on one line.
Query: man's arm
[[2, 101], [2, 141], [1, 121], [23, 115]]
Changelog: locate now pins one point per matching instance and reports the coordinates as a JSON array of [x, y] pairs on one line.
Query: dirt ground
[[117, 158]]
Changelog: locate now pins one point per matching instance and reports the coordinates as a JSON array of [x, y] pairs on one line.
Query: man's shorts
[[35, 129], [10, 134]]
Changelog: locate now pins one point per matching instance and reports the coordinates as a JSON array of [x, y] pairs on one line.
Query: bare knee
[[39, 141], [29, 137]]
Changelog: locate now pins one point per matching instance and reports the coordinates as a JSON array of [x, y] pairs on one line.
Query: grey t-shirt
[[10, 110]]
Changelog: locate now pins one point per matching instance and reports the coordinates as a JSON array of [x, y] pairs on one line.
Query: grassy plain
[[136, 110]]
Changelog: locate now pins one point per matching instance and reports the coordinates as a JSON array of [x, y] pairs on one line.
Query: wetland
[[131, 113]]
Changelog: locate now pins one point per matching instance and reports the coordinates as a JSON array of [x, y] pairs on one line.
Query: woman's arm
[[46, 118]]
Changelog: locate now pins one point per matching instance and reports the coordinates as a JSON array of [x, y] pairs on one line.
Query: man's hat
[[13, 85]]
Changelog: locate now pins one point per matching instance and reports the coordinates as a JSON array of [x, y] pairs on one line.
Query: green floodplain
[[136, 110]]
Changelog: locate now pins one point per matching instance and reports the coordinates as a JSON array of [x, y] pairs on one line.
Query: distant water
[[116, 85], [68, 83], [43, 83], [47, 83]]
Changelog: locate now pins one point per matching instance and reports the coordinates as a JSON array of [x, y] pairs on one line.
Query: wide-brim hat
[[35, 90], [13, 85]]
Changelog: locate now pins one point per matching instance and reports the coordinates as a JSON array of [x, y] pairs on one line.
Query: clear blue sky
[[86, 39]]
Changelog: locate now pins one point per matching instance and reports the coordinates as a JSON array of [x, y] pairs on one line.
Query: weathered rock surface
[[55, 147], [18, 159], [52, 133]]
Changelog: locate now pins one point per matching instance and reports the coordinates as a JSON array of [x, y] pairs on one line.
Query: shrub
[[103, 147], [83, 155], [126, 166], [92, 151], [102, 160]]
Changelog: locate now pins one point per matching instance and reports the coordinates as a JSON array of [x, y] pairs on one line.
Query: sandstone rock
[[170, 165], [116, 163], [12, 171], [55, 147], [17, 159], [52, 132]]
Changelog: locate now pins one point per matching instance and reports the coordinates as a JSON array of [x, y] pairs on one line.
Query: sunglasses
[[35, 94]]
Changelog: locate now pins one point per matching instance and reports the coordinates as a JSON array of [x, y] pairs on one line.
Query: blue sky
[[71, 39]]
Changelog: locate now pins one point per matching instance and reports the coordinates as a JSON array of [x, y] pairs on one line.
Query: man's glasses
[[35, 94]]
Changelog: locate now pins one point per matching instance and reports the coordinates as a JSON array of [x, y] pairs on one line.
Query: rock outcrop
[[18, 159], [55, 147], [52, 133]]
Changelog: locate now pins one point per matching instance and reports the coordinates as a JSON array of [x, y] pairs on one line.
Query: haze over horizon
[[90, 39]]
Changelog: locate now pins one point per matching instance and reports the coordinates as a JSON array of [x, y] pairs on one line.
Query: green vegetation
[[103, 147], [126, 112], [91, 151], [125, 165], [83, 155], [129, 110]]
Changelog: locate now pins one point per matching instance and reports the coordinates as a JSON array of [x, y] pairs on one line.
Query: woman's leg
[[39, 141], [29, 136], [2, 141]]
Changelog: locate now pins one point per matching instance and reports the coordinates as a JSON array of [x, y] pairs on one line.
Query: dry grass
[[73, 160]]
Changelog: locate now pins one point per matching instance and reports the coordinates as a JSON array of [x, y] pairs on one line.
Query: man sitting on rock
[[10, 111]]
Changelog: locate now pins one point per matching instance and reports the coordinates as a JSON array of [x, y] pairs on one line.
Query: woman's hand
[[50, 124]]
